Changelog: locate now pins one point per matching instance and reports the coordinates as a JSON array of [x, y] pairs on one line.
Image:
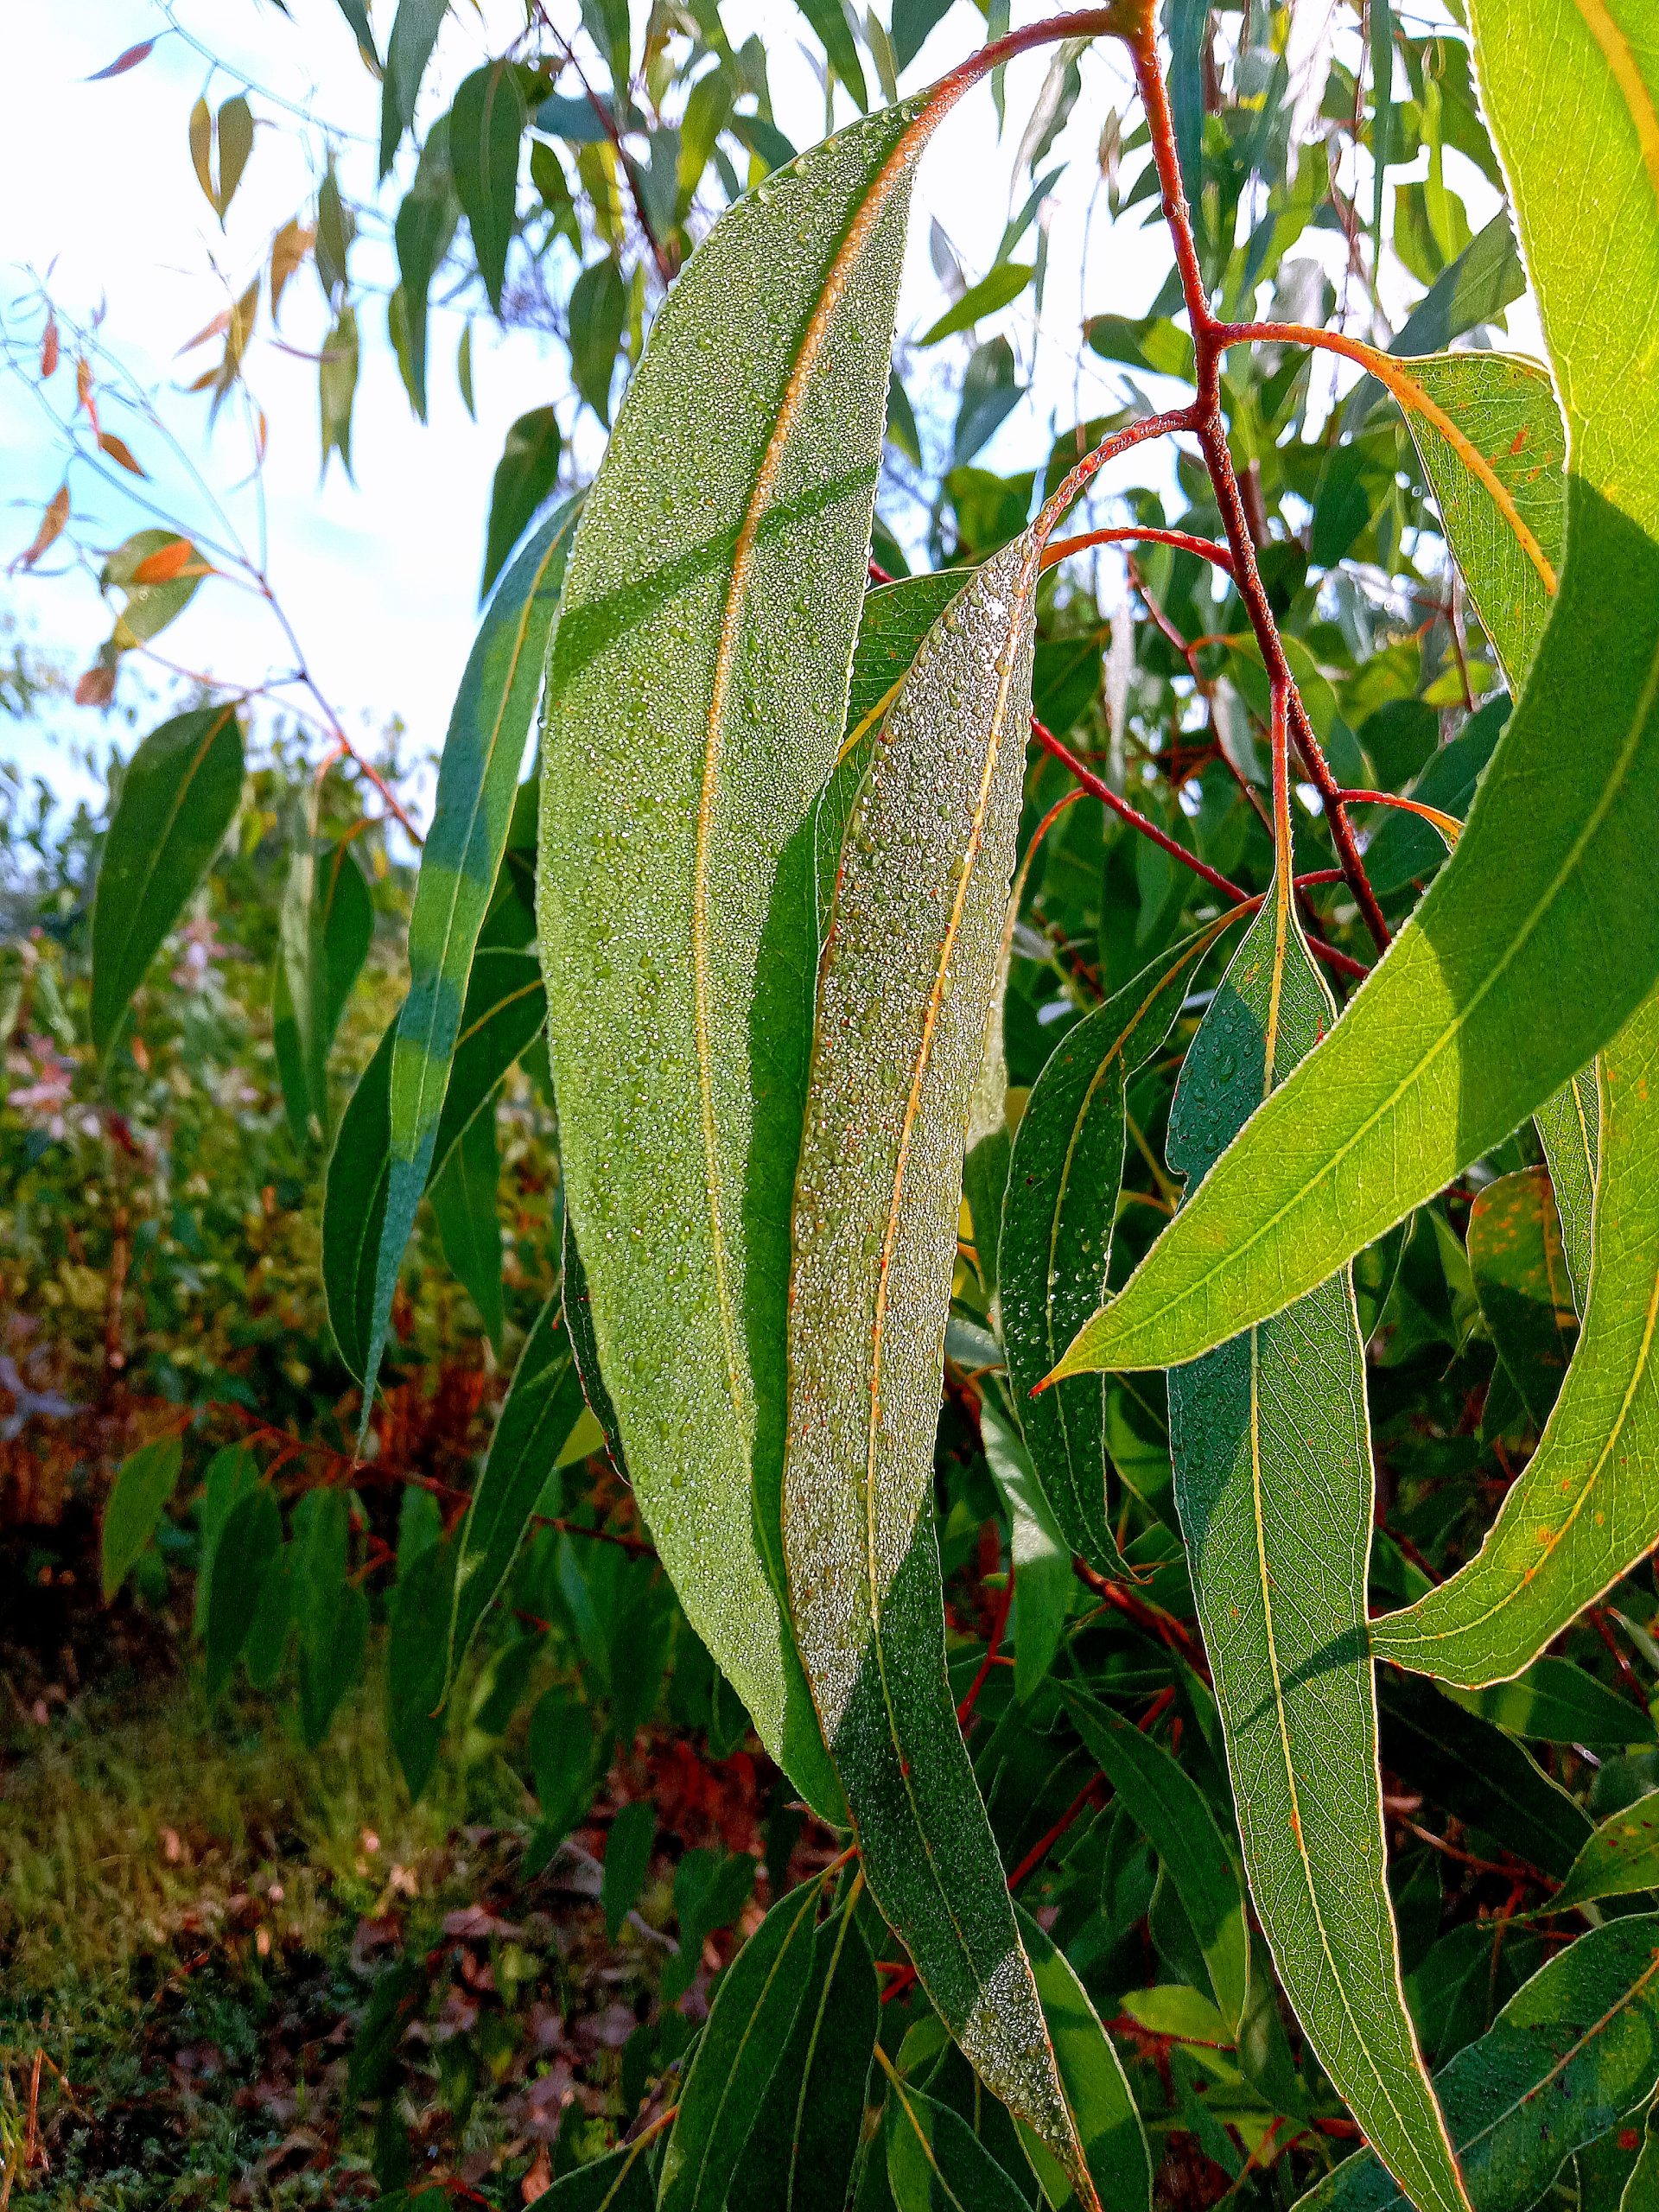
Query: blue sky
[[379, 577]]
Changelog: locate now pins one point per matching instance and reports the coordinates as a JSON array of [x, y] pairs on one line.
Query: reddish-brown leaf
[[49, 348], [118, 450], [122, 63], [288, 251], [52, 522], [83, 389], [97, 687]]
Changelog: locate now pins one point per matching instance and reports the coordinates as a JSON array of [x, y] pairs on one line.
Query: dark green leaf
[[178, 796], [425, 224], [599, 314], [627, 1855], [247, 1544], [987, 297], [1473, 1771], [527, 473], [327, 922], [836, 36], [1516, 1258], [579, 1324], [485, 124], [937, 2164], [1097, 2089], [143, 1484], [1622, 1856], [414, 34], [463, 1196]]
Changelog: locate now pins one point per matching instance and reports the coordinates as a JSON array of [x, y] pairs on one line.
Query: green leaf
[[414, 34], [1042, 1558], [1446, 1047], [330, 1613], [990, 295], [416, 1653], [327, 924], [1569, 1124], [598, 316], [485, 124], [143, 1484], [1516, 1258], [1485, 278], [478, 784], [836, 38], [1555, 1703], [620, 2182], [424, 226], [749, 2028], [1574, 2050], [337, 367], [1642, 2190], [231, 1474], [543, 1406], [1473, 1771], [678, 928], [1172, 1812], [627, 1856], [800, 2151], [937, 2164], [1586, 1506], [1274, 1487], [357, 15], [247, 1544], [907, 978], [469, 1228], [1097, 2091], [579, 1322], [1621, 1857], [912, 22], [504, 1009], [1056, 1244], [178, 796], [527, 473]]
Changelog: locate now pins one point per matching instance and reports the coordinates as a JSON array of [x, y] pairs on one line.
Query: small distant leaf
[[51, 529], [747, 2031], [985, 298], [119, 451], [145, 1481], [1622, 1857], [485, 125], [327, 923], [543, 1405], [154, 596], [527, 473], [247, 1544], [122, 63], [598, 313], [627, 1855], [235, 133], [178, 797], [1573, 2052], [337, 387], [836, 36]]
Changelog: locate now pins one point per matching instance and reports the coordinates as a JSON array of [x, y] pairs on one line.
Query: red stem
[[965, 1710]]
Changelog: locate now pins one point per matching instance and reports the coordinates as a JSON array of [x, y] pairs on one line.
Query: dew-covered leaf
[[1274, 1485], [1573, 2051], [179, 794], [909, 970], [1464, 1028], [697, 704]]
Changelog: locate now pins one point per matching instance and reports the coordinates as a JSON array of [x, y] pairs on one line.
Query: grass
[[194, 1914]]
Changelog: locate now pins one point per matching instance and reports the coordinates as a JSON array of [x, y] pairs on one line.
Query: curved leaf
[[504, 1009], [748, 2030], [143, 1483], [478, 782], [1569, 1124], [578, 1320], [178, 796], [327, 921], [1621, 1857], [800, 2153], [1574, 2050], [1464, 1029], [1097, 2093], [1059, 1213], [464, 1204], [1586, 1506], [1519, 1266], [937, 2164], [543, 1405], [696, 707], [909, 968], [1274, 1487], [620, 2182], [1171, 1811]]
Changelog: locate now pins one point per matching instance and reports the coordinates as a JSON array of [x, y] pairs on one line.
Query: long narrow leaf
[[909, 968], [478, 782], [1273, 1484]]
